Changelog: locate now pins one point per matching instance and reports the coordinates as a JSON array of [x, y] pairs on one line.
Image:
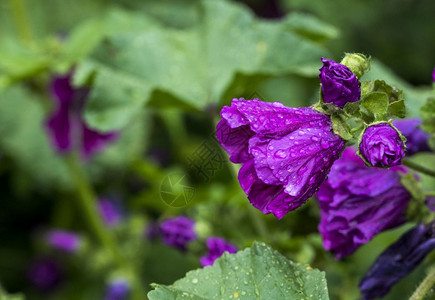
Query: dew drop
[[280, 154], [314, 138]]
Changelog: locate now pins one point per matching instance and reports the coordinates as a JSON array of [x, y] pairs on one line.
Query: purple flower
[[216, 247], [66, 126], [381, 146], [433, 74], [64, 240], [339, 84], [118, 289], [45, 274], [109, 212], [286, 152], [416, 138], [178, 232], [398, 260], [430, 203], [358, 202]]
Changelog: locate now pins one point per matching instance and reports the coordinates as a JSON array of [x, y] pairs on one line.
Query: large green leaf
[[192, 68], [258, 272]]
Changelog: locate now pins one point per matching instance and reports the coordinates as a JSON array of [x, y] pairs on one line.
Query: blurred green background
[[159, 72]]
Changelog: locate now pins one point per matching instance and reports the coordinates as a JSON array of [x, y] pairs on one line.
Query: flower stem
[[424, 287], [418, 167], [86, 200], [21, 20]]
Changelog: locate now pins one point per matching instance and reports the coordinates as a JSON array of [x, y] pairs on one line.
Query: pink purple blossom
[[178, 232], [339, 84], [66, 126], [63, 240], [118, 289], [357, 202], [285, 152], [45, 274], [381, 146], [216, 247], [109, 211]]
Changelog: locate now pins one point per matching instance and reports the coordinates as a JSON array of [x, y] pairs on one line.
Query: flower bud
[[339, 84], [358, 63], [382, 146]]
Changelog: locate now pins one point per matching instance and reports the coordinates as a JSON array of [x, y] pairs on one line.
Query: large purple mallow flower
[[397, 261], [216, 247], [178, 232], [109, 211], [339, 84], [358, 202], [118, 289], [66, 126], [285, 153], [381, 146], [416, 138], [63, 240]]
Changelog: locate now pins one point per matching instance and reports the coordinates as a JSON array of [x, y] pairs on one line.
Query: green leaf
[[397, 109], [353, 109], [258, 272], [310, 27], [6, 296], [427, 112], [340, 127], [159, 65], [376, 103], [23, 138]]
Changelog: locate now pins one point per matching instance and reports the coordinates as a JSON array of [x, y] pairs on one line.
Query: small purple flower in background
[[109, 212], [63, 240], [381, 146], [45, 274], [397, 261], [339, 84], [66, 126], [285, 152], [433, 74], [358, 202], [118, 289], [430, 203], [216, 247], [416, 138], [178, 232]]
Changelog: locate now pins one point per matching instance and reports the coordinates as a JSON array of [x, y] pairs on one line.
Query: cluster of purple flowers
[[178, 232], [287, 154]]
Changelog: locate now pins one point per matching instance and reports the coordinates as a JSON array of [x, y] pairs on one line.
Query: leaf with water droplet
[[270, 276]]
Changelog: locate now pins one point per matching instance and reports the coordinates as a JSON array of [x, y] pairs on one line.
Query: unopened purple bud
[[397, 261], [216, 247], [64, 240], [118, 289], [339, 84], [381, 146], [178, 232]]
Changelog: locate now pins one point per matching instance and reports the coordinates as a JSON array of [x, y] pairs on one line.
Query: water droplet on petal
[[280, 154]]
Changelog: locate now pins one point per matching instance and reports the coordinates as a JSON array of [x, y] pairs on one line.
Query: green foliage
[[340, 126], [227, 41], [6, 296], [428, 119], [256, 272]]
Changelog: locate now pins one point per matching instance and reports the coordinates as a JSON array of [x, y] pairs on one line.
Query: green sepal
[[397, 108], [340, 126], [376, 104], [353, 109], [358, 63]]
